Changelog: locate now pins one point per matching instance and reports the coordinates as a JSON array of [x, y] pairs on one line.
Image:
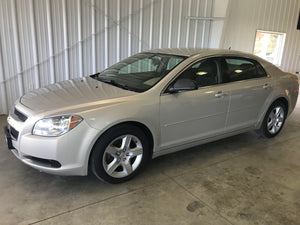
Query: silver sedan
[[147, 105]]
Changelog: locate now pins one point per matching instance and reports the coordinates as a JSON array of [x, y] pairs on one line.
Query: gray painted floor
[[239, 180]]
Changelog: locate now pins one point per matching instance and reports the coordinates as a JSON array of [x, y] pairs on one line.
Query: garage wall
[[46, 41], [246, 16]]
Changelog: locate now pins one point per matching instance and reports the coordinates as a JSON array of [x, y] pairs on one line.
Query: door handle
[[220, 94], [266, 86]]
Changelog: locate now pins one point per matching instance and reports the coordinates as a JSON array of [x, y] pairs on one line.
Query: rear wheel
[[274, 120], [120, 154]]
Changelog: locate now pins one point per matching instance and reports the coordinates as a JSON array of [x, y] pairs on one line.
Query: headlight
[[56, 126]]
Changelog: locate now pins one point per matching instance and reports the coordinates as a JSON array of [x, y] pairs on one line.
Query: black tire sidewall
[[264, 128], [96, 164]]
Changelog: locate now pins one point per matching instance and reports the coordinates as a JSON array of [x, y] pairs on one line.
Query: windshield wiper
[[113, 82], [95, 75]]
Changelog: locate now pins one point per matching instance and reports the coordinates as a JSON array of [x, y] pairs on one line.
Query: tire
[[120, 154], [274, 120]]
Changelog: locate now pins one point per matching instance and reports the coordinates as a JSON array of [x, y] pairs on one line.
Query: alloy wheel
[[122, 156], [275, 119]]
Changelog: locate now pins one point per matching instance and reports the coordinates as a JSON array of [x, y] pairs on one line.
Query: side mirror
[[182, 85]]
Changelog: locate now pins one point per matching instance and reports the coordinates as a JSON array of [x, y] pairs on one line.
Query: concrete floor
[[239, 180]]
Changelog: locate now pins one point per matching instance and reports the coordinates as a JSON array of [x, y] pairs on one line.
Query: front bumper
[[64, 155]]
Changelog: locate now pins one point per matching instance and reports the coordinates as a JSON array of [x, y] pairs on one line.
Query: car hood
[[71, 94]]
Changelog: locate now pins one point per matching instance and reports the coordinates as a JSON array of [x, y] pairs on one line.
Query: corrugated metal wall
[[45, 41], [247, 16]]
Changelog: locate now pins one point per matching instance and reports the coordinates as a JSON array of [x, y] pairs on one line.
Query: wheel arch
[[264, 130], [140, 125], [285, 102], [282, 99], [145, 129]]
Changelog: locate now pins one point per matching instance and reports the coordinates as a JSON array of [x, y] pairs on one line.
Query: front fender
[[143, 112]]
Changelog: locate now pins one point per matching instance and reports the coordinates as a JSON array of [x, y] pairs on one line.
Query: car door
[[249, 88], [188, 116]]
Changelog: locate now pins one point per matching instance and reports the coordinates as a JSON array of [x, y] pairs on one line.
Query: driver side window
[[203, 73]]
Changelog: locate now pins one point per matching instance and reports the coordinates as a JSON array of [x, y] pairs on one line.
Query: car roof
[[199, 51]]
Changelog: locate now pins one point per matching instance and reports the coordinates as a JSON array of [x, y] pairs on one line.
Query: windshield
[[139, 72]]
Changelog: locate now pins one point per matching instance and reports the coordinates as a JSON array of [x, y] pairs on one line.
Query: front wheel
[[119, 154], [274, 120]]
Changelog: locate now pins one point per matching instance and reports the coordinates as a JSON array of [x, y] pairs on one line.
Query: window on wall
[[269, 45]]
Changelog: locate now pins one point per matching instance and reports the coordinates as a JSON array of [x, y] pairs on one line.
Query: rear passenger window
[[235, 69]]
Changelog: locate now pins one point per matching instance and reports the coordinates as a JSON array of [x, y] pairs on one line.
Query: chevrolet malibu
[[150, 104]]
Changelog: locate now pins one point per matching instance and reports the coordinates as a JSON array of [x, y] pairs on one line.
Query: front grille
[[20, 115], [14, 133]]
